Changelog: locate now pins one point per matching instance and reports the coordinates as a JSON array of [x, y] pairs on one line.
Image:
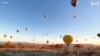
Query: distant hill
[[26, 43]]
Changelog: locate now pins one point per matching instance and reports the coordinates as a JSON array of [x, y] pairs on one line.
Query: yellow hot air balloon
[[68, 39]]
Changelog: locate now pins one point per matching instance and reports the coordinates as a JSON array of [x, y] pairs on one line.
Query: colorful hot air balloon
[[74, 3], [68, 39], [98, 34]]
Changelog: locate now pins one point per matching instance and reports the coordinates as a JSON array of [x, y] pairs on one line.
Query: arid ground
[[32, 49]]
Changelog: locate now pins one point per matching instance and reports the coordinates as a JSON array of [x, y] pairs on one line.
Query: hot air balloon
[[47, 41], [26, 28], [5, 35], [74, 16], [60, 36], [43, 35], [76, 40], [74, 3], [85, 39], [33, 39], [98, 34], [45, 16], [47, 34], [10, 36], [68, 39], [17, 31]]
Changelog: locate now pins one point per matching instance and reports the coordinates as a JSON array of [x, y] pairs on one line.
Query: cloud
[[4, 2], [96, 3]]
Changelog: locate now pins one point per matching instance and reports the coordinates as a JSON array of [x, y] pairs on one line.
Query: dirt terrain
[[29, 49]]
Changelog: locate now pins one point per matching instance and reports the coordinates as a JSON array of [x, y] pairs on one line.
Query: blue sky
[[19, 14]]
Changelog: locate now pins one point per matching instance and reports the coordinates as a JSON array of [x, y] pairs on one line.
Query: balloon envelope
[[98, 34], [68, 39], [17, 31], [86, 39], [74, 16], [60, 36], [45, 16], [74, 3], [26, 28], [47, 34], [43, 35], [5, 35], [76, 40], [10, 36], [47, 41]]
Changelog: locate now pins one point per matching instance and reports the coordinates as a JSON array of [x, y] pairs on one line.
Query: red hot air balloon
[[74, 3]]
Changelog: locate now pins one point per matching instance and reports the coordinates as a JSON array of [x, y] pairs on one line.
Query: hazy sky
[[19, 14]]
